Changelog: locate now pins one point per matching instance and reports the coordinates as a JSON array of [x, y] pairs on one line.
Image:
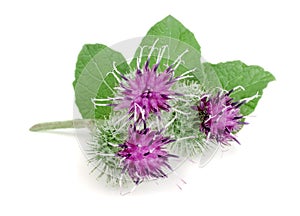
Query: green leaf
[[235, 73], [177, 39], [93, 78]]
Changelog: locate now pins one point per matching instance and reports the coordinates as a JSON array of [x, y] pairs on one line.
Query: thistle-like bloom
[[220, 117], [143, 155], [148, 92]]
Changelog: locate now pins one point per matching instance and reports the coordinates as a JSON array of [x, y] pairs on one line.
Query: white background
[[46, 173]]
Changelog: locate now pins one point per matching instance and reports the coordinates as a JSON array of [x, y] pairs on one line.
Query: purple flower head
[[148, 92], [143, 154], [220, 117]]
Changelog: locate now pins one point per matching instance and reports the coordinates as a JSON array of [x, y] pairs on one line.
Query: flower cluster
[[162, 123]]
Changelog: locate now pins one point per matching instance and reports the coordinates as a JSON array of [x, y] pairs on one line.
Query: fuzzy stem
[[76, 123]]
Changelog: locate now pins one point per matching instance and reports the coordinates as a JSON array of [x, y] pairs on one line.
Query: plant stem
[[76, 123]]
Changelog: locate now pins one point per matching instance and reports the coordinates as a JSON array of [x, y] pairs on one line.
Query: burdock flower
[[143, 155], [220, 117], [148, 92]]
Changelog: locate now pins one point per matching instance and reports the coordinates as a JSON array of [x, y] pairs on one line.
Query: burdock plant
[[163, 104]]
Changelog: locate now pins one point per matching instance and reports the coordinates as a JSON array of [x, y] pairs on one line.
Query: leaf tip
[[170, 17]]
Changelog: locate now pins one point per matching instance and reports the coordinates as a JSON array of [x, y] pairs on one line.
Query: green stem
[[76, 123]]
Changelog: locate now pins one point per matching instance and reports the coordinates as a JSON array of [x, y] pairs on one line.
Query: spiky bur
[[220, 117], [144, 156], [103, 147], [124, 156], [148, 93]]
